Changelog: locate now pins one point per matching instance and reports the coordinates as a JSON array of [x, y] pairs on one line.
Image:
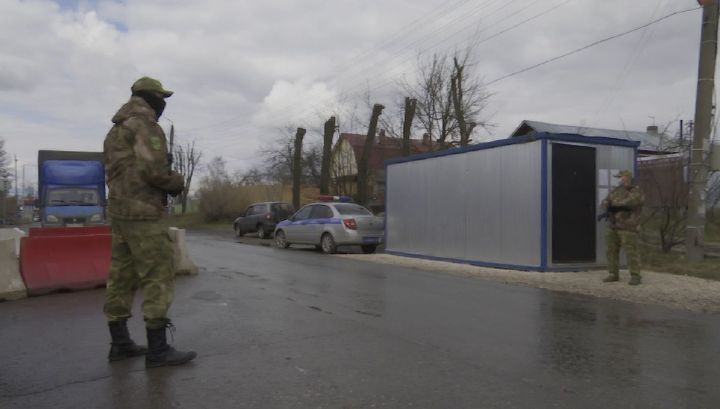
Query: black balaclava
[[155, 101]]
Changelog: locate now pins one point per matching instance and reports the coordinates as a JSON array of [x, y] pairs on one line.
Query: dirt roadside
[[675, 291]]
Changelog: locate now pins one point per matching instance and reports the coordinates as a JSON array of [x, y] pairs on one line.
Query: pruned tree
[[430, 90], [297, 167], [328, 132], [362, 166], [278, 160], [186, 161], [410, 107], [450, 97]]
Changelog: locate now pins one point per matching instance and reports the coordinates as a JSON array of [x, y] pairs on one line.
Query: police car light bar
[[330, 198]]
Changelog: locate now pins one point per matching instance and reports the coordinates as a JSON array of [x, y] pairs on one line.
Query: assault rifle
[[613, 209]]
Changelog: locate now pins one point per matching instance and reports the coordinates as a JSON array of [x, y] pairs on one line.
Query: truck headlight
[[52, 219], [96, 218]]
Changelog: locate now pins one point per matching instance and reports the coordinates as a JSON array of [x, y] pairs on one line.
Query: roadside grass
[[675, 262]]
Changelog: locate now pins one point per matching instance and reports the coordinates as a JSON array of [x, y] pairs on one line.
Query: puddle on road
[[207, 296]]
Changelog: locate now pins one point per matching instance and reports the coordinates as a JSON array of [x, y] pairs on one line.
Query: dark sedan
[[261, 218]]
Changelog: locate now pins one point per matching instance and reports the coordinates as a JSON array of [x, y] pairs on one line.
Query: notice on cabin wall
[[603, 177]]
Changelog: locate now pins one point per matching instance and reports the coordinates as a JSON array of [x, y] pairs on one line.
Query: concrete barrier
[[183, 264], [12, 286], [13, 233]]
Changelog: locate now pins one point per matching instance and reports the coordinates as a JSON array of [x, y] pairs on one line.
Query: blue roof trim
[[574, 138]]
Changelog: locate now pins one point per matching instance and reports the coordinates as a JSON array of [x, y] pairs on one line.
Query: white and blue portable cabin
[[528, 203]]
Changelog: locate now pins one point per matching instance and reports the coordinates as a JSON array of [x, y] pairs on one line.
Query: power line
[[432, 15], [532, 67], [644, 38], [362, 69]]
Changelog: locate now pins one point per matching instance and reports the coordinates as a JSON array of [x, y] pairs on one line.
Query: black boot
[[162, 354], [122, 346]]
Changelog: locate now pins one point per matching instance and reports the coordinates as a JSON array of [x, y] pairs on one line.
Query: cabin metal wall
[[481, 206]]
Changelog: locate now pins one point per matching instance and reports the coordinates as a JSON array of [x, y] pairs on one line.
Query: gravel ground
[[675, 291]]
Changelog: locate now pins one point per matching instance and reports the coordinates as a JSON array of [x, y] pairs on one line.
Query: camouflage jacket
[[631, 199], [136, 166]]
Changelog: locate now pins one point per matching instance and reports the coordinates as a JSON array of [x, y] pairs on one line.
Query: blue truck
[[71, 188]]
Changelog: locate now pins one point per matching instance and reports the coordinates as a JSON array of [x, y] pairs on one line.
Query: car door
[[246, 220], [319, 217], [294, 229], [257, 217]]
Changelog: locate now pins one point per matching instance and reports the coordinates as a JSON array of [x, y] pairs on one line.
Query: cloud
[[292, 102]]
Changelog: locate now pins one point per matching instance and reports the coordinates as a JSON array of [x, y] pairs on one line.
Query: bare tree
[[363, 163], [278, 161], [450, 97], [430, 89], [328, 132], [410, 107], [187, 160], [297, 167]]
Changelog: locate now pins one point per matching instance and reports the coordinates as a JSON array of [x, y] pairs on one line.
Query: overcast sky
[[243, 69]]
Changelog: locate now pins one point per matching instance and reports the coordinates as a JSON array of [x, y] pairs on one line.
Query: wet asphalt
[[299, 329]]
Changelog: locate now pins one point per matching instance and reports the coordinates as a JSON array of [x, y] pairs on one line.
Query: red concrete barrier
[[73, 258]]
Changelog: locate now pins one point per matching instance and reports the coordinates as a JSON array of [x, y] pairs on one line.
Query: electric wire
[[604, 40]]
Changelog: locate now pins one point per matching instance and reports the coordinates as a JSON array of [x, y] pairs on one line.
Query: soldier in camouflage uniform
[[139, 178], [624, 207]]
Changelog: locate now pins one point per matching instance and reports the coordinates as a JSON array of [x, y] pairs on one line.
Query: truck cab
[[71, 188]]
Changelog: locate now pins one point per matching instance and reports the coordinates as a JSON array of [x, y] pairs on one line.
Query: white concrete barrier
[[183, 264], [12, 286], [13, 233]]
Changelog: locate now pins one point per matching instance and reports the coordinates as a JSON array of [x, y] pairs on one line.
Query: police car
[[333, 221]]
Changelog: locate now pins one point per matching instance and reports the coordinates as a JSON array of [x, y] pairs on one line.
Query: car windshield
[[349, 209], [72, 196]]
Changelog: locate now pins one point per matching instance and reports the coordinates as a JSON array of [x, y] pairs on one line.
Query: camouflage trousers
[[628, 240], [142, 258]]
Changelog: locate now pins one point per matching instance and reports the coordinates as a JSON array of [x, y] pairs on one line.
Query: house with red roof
[[349, 149]]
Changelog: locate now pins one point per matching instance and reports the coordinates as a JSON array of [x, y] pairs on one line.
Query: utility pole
[[695, 230]]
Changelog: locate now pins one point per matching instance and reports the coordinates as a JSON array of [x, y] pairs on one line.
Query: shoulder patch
[[156, 143]]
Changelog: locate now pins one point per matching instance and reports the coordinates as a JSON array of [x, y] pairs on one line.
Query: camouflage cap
[[150, 84], [622, 173]]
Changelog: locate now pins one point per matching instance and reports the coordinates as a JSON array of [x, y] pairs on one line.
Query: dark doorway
[[573, 204]]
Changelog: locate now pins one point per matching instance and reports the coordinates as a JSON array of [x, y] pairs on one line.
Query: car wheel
[[261, 231], [280, 241], [238, 232], [327, 242], [369, 249]]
